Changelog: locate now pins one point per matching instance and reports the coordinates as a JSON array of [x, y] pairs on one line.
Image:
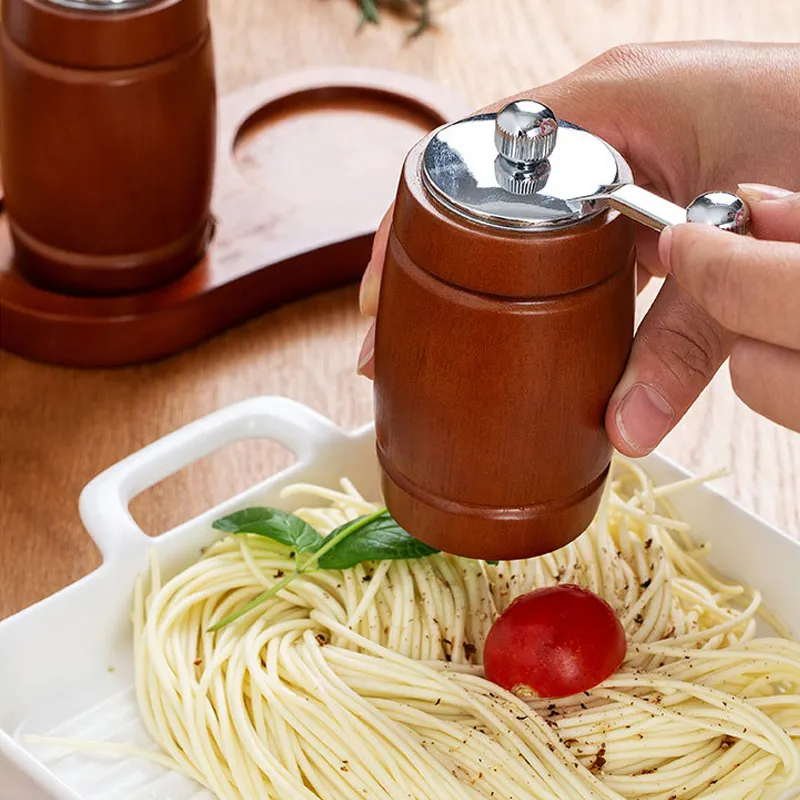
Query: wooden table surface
[[60, 427]]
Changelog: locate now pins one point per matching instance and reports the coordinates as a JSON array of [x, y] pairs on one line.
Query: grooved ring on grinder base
[[493, 534]]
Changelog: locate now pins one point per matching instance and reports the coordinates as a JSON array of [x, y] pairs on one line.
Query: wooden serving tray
[[306, 165]]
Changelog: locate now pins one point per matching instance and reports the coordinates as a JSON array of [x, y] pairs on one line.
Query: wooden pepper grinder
[[506, 319], [107, 140]]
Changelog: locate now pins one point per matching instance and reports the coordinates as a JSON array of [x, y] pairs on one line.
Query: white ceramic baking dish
[[65, 663]]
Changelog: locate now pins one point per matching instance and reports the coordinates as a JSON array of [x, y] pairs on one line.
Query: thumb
[[775, 212], [676, 352]]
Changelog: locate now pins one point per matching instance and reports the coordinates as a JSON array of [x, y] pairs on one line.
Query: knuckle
[[711, 270], [767, 379], [738, 374], [626, 59], [723, 289], [740, 367], [690, 355]]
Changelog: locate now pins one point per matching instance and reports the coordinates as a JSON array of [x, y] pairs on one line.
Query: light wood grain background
[[60, 427]]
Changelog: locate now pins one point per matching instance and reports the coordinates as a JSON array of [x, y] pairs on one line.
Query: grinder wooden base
[[490, 533], [306, 165]]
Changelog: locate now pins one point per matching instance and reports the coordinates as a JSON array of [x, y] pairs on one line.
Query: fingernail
[[367, 349], [761, 191], [665, 247], [644, 418], [368, 290]]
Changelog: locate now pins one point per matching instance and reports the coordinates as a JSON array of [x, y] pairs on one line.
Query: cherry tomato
[[554, 642]]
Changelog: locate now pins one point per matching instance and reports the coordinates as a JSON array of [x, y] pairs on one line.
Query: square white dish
[[65, 663]]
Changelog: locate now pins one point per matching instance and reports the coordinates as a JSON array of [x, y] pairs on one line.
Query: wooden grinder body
[[496, 354], [107, 142]]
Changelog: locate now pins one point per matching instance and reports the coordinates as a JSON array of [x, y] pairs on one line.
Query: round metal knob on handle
[[723, 210], [525, 132]]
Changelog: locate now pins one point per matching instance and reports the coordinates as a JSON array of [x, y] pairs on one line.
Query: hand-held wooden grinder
[[107, 140], [506, 319]]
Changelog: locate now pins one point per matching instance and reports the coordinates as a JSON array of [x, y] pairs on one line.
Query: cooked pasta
[[367, 682]]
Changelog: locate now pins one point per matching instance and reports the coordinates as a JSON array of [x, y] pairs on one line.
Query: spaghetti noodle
[[367, 682]]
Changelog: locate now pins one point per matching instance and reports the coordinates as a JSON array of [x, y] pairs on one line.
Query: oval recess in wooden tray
[[306, 165]]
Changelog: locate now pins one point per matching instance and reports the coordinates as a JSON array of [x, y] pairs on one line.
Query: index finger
[[749, 286]]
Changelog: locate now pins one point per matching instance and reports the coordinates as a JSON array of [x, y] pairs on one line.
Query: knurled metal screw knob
[[521, 181], [525, 132]]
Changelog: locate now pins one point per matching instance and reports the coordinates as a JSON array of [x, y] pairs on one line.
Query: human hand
[[751, 287], [688, 118]]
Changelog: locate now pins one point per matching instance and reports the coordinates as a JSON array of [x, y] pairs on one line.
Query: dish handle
[[104, 501]]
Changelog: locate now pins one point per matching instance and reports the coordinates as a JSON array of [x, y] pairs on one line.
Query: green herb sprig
[[419, 9], [374, 537]]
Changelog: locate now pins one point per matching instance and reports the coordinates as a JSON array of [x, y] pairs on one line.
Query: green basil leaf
[[493, 563], [275, 524], [379, 540], [369, 12]]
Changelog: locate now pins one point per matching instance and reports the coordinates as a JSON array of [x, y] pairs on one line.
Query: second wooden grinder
[[506, 320], [108, 140]]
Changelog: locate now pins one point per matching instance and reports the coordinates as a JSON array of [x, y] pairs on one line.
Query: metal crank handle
[[723, 210]]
